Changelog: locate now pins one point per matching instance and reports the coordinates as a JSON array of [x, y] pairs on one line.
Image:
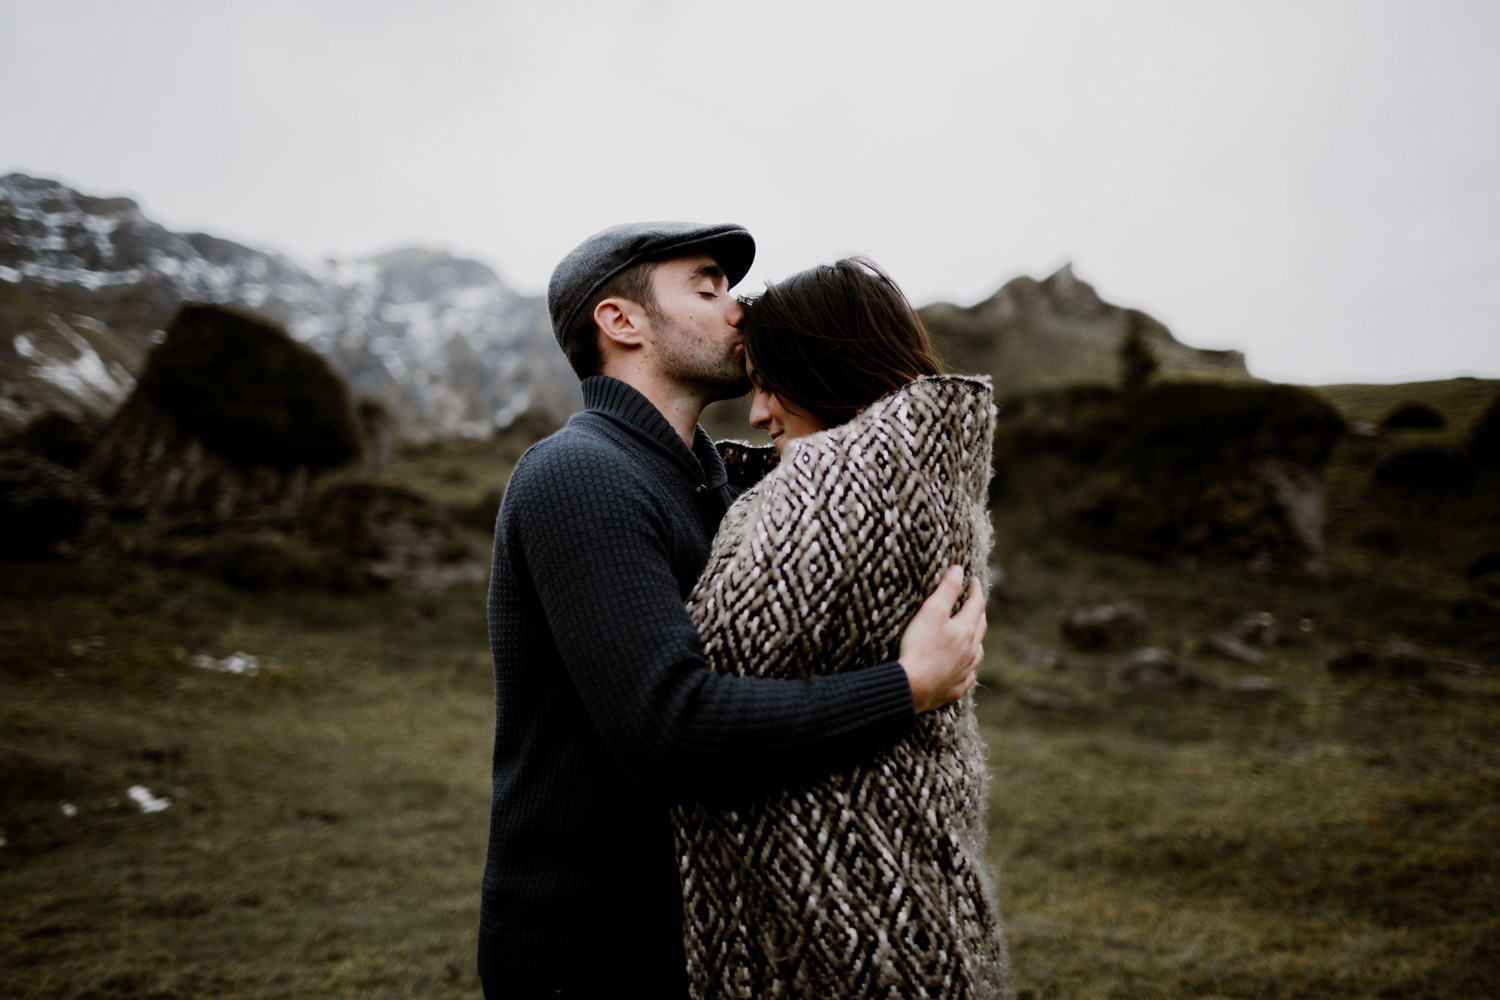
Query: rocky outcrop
[[391, 536], [1230, 474], [1484, 437], [1396, 660], [1246, 640], [1413, 416], [1427, 467], [47, 511], [1033, 335], [231, 417], [1157, 669], [56, 438], [1105, 626]]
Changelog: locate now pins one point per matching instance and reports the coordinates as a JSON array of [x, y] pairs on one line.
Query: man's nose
[[736, 313]]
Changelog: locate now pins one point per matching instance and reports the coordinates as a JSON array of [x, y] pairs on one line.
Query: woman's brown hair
[[834, 338]]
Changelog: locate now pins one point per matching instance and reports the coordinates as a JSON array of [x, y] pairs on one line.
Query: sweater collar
[[625, 407]]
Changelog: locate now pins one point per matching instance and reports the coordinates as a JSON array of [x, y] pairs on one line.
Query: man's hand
[[939, 652]]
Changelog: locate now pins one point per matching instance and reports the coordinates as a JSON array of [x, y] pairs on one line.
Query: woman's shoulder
[[946, 390], [931, 409]]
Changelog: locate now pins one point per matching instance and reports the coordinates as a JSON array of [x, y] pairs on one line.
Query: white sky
[[1315, 182]]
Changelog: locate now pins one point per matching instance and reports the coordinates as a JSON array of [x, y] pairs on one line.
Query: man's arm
[[596, 551]]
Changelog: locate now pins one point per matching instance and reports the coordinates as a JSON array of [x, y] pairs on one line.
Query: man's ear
[[622, 321]]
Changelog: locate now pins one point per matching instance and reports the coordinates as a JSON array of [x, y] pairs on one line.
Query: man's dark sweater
[[605, 711]]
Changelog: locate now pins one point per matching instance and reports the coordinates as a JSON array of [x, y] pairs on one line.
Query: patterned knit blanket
[[870, 883]]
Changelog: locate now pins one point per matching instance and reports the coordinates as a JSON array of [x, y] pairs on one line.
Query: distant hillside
[[88, 285], [1034, 335]]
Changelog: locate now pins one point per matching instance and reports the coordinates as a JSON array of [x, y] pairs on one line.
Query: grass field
[[1336, 838]]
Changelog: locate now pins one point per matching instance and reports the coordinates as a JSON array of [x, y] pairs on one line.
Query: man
[[605, 711]]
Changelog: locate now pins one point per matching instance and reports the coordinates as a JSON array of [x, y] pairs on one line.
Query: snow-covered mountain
[[88, 284]]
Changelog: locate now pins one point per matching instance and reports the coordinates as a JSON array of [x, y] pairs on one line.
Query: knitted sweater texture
[[606, 713], [869, 882]]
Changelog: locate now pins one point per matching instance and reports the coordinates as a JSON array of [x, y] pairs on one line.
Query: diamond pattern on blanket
[[871, 882]]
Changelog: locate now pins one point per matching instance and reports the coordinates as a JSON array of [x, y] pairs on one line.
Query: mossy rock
[[1413, 416], [1223, 472], [1177, 425], [1484, 437], [395, 536], [249, 392], [57, 438], [1078, 421], [48, 511], [1431, 467]]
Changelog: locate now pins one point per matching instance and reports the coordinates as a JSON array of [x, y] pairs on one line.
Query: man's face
[[695, 327]]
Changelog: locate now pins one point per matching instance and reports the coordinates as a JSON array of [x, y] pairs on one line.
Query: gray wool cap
[[580, 275]]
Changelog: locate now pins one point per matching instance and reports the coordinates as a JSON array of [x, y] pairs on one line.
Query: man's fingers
[[948, 587], [972, 612]]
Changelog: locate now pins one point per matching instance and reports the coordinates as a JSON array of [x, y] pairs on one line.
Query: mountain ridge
[[1035, 335], [88, 283]]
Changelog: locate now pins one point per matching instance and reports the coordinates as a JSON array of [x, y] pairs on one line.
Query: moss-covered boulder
[[1428, 467], [230, 416], [1413, 416], [56, 437], [1484, 437], [250, 392], [1227, 473], [47, 511], [392, 535]]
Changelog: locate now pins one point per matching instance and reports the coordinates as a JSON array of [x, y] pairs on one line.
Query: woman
[[871, 882]]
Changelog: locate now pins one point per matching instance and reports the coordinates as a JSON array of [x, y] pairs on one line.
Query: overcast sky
[[1314, 182]]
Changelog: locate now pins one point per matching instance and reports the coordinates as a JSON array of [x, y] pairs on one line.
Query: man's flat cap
[[580, 275]]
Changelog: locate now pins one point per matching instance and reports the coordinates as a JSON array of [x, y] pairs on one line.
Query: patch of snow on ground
[[141, 796], [234, 663]]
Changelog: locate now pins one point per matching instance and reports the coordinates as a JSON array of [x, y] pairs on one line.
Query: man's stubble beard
[[690, 362]]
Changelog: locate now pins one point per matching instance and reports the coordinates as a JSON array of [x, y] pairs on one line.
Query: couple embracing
[[735, 749]]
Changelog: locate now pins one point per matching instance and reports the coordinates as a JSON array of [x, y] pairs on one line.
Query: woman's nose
[[760, 413]]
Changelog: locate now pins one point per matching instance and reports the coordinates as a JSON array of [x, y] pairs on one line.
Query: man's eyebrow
[[708, 271]]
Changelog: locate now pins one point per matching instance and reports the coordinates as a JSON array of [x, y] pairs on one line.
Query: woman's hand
[[940, 652]]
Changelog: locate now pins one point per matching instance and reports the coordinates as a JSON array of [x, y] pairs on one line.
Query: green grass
[[1459, 399], [326, 833], [328, 814], [1331, 840]]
